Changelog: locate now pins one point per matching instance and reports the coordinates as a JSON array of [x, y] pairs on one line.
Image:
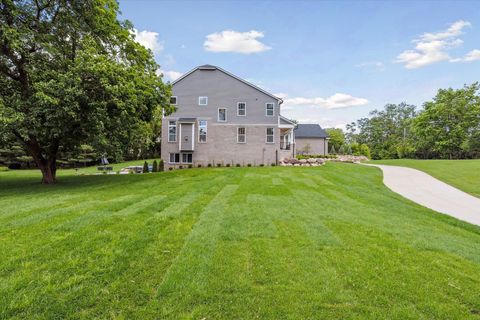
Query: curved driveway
[[431, 193]]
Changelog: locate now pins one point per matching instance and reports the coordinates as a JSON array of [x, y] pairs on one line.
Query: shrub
[[145, 167], [199, 165], [238, 165], [261, 164], [170, 168], [209, 165], [3, 169], [155, 166], [161, 166], [249, 165], [190, 166], [227, 165], [273, 164], [180, 167], [219, 165]]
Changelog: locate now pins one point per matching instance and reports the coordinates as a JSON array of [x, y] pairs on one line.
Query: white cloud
[[148, 39], [338, 100], [170, 75], [233, 41], [472, 55], [469, 57], [281, 95], [432, 47], [454, 30]]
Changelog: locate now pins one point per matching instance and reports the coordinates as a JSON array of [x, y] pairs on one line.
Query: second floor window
[[173, 100], [202, 101], [241, 109], [269, 109], [270, 135], [241, 135], [172, 131], [202, 131], [222, 115]]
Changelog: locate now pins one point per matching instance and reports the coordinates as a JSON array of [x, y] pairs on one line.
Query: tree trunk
[[49, 171], [46, 161]]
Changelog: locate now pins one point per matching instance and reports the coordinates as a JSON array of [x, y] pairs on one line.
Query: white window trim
[[267, 135], [244, 135], [266, 109], [218, 115], [179, 157], [206, 135], [241, 115], [176, 100], [176, 131], [199, 98]]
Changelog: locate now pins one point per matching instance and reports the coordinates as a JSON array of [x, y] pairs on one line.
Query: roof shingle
[[310, 131]]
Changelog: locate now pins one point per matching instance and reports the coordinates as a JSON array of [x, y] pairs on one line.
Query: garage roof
[[310, 131]]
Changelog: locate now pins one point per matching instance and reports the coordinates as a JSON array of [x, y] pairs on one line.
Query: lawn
[[231, 243], [463, 174]]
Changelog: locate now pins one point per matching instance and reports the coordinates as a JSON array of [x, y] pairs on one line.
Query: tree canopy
[[71, 73], [447, 127], [336, 138]]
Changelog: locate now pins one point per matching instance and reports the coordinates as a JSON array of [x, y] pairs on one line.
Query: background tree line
[[448, 127]]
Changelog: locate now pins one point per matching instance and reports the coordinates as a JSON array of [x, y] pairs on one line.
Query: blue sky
[[332, 62]]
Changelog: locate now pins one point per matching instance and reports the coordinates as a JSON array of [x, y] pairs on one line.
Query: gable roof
[[284, 120], [210, 67], [310, 131]]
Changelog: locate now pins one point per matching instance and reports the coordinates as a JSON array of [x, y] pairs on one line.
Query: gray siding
[[222, 91]]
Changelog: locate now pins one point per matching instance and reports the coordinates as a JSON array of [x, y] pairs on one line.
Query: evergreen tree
[[145, 167]]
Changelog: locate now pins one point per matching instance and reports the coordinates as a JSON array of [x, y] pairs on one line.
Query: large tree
[[336, 138], [71, 73], [449, 125], [386, 132]]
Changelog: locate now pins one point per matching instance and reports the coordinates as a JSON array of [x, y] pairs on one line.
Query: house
[[310, 139], [222, 119]]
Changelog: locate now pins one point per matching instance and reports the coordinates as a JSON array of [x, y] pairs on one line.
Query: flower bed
[[315, 162]]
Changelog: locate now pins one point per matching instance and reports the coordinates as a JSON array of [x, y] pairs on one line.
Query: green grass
[[231, 243], [463, 174]]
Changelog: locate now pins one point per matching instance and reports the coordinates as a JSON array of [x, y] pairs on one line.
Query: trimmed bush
[[170, 168], [161, 166], [273, 164], [249, 165], [3, 169], [199, 165], [155, 166], [145, 167], [227, 165], [261, 164], [219, 165], [238, 165], [190, 166], [209, 165]]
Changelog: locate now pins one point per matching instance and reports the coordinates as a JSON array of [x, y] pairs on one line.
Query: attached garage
[[310, 139]]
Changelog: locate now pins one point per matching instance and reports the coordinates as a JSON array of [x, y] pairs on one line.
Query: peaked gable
[[210, 67]]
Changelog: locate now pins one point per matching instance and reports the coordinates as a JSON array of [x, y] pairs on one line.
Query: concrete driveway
[[431, 193]]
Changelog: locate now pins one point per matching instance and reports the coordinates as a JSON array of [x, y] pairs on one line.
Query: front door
[[186, 136]]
